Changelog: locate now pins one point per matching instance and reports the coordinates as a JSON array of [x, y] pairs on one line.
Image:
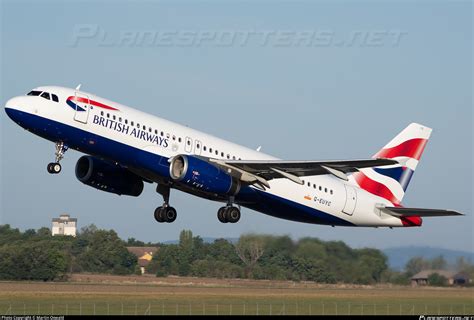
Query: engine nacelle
[[202, 175], [108, 177]]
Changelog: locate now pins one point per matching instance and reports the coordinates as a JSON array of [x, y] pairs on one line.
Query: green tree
[[35, 260], [437, 280], [249, 248], [132, 242], [8, 234], [104, 252], [311, 249], [44, 232], [372, 264], [415, 265], [439, 263]]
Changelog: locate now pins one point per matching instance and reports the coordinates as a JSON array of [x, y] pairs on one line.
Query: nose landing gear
[[55, 167]]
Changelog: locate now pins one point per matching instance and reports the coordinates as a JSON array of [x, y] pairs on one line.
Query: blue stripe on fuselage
[[99, 146]]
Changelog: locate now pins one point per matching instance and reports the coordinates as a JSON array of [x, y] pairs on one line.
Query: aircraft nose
[[12, 107]]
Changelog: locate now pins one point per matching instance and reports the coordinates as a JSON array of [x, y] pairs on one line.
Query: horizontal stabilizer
[[418, 212]]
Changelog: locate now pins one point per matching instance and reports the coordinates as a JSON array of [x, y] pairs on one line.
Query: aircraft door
[[351, 200], [82, 107]]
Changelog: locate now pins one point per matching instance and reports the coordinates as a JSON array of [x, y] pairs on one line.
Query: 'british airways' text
[[128, 130]]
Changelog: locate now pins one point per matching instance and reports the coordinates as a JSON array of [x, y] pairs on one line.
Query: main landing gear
[[55, 167], [165, 213], [228, 213]]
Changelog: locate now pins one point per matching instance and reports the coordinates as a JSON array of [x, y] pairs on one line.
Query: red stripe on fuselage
[[411, 148], [92, 102], [375, 187]]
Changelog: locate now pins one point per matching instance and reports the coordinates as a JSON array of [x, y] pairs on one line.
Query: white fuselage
[[344, 201]]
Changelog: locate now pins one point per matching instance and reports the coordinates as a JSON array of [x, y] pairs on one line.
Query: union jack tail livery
[[391, 182]]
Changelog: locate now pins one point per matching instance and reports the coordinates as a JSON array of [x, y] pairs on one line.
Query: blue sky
[[342, 96]]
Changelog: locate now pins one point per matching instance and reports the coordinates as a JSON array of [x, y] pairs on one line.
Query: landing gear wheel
[[233, 214], [170, 214], [221, 213], [159, 214], [228, 214], [54, 168], [165, 214]]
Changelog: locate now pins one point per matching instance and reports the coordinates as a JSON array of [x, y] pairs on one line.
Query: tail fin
[[391, 182]]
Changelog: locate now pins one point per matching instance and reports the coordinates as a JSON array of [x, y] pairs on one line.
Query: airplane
[[126, 148]]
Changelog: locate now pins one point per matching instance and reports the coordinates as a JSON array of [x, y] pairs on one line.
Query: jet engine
[[108, 177], [198, 173]]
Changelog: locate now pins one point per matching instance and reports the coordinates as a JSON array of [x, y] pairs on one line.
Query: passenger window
[[204, 148], [144, 128], [113, 117], [210, 150], [228, 156], [222, 154], [326, 190], [138, 125], [34, 93], [198, 146], [233, 157], [120, 119], [126, 121], [331, 191], [102, 113], [179, 140], [217, 153], [314, 186], [131, 123], [162, 133], [156, 132], [309, 184], [108, 115], [149, 130], [174, 137], [45, 95], [320, 188], [188, 142], [55, 98]]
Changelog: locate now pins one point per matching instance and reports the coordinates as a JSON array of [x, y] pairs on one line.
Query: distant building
[[144, 255], [64, 225], [454, 278]]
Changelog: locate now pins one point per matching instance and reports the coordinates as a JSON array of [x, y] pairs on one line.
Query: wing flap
[[266, 168]]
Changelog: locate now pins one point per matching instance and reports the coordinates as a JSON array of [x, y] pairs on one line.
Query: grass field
[[212, 296]]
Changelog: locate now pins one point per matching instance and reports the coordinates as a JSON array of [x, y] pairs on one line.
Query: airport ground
[[145, 295]]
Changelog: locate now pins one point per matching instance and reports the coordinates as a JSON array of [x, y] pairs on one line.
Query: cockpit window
[[45, 95], [34, 93], [55, 97]]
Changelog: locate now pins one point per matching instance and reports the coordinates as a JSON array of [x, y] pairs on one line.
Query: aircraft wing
[[419, 212], [264, 170]]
